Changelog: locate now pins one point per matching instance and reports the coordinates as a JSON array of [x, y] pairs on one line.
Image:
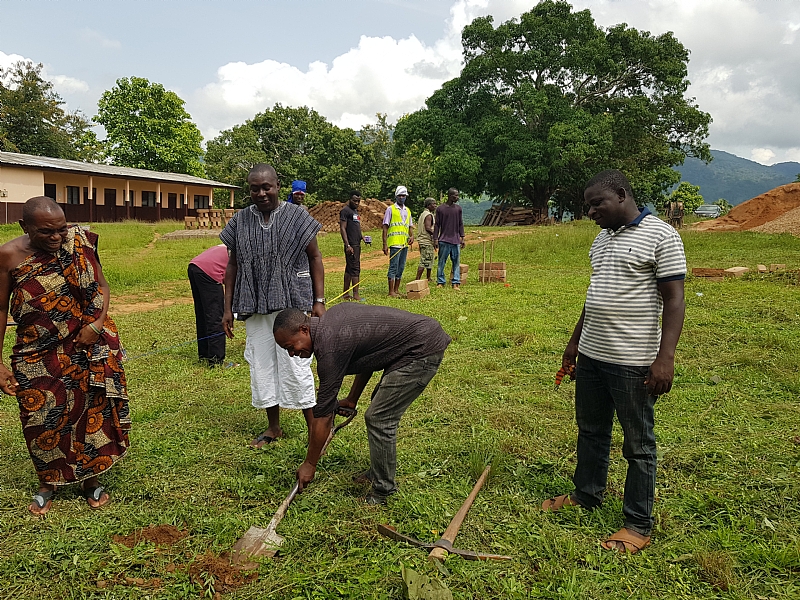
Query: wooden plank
[[701, 272]]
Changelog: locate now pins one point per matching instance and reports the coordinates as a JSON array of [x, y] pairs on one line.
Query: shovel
[[256, 541]]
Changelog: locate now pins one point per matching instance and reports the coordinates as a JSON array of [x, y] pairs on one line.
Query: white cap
[[401, 191]]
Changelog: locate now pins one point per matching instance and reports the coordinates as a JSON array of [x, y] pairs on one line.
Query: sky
[[350, 59]]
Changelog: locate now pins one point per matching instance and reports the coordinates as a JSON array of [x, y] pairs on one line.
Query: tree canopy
[[148, 128], [546, 101], [32, 120], [688, 194], [301, 144]]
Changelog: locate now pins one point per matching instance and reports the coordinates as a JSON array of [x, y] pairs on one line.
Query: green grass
[[726, 512]]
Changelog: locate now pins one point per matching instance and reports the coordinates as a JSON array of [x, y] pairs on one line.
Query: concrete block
[[417, 285], [495, 265], [417, 295], [777, 267], [736, 271], [762, 268]]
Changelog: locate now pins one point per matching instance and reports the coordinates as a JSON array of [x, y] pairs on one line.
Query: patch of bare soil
[[217, 573], [160, 535], [136, 307], [756, 212]]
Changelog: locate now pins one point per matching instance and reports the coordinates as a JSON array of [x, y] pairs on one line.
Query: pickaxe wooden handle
[[451, 532]]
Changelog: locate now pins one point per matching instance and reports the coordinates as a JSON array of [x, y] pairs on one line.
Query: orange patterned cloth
[[73, 402]]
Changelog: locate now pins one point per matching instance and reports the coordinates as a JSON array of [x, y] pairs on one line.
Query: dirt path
[[372, 259]]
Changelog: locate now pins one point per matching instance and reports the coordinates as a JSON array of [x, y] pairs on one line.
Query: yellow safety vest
[[397, 234]]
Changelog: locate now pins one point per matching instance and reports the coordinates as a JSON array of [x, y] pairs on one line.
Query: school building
[[95, 192]]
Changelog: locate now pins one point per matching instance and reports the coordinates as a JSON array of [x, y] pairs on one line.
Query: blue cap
[[298, 185]]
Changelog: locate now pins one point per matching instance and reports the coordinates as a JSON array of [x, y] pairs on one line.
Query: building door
[[108, 212], [50, 190]]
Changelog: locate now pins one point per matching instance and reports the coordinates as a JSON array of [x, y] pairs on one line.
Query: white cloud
[[61, 83], [762, 155], [98, 39], [380, 74]]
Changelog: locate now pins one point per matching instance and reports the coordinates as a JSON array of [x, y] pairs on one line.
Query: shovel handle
[[452, 529]]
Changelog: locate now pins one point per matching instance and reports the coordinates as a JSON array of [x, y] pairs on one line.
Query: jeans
[[454, 252], [392, 396], [601, 389], [397, 261]]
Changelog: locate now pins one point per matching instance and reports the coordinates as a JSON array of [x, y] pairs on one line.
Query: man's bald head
[[262, 169], [39, 204]]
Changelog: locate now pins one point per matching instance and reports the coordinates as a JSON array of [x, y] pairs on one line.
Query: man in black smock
[[352, 339]]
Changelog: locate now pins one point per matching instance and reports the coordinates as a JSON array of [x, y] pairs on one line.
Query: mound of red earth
[[370, 210], [772, 212]]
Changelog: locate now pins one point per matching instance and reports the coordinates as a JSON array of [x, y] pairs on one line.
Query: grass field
[[727, 515]]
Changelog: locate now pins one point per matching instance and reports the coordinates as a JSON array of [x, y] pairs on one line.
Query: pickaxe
[[266, 542], [440, 548]]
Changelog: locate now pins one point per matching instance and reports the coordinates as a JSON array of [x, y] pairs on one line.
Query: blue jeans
[[601, 389], [397, 261], [391, 398], [453, 251]]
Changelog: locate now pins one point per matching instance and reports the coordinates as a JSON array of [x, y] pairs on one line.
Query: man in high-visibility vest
[[398, 235]]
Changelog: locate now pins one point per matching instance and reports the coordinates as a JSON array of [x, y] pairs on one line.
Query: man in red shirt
[[206, 272]]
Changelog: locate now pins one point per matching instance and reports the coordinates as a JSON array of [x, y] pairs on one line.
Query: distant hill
[[734, 178]]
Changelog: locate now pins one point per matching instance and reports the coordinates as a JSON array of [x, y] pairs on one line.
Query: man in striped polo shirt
[[624, 360]]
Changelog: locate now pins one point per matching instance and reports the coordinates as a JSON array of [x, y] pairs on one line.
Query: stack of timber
[[495, 271], [370, 210], [506, 214], [417, 289]]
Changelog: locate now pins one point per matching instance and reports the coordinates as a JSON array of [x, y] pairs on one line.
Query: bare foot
[[42, 501], [265, 438]]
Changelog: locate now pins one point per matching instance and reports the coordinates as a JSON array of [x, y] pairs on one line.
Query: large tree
[[300, 143], [32, 120], [149, 128], [546, 101]]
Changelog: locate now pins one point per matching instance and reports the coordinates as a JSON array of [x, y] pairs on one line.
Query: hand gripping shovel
[[258, 542], [440, 548]]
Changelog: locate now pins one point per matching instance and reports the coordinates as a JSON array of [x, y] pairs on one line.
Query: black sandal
[[41, 499], [95, 494]]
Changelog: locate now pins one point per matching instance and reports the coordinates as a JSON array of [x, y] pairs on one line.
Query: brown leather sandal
[[559, 502], [632, 542]]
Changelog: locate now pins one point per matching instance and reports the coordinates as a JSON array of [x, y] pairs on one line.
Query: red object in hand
[[564, 371]]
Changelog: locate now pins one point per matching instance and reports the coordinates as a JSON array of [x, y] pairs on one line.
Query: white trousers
[[276, 377]]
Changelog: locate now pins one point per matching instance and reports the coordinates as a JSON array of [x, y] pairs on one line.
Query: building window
[[201, 201], [148, 198], [73, 194]]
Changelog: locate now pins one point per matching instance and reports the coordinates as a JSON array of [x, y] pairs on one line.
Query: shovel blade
[[256, 542]]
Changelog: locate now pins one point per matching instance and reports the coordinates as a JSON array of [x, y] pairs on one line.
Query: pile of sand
[[772, 212]]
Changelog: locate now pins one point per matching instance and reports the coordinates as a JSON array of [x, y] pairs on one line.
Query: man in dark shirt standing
[[350, 228], [448, 238], [351, 339]]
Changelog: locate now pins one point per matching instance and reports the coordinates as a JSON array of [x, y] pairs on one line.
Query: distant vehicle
[[708, 210]]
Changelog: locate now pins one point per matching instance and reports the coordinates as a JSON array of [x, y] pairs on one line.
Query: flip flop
[[631, 541], [95, 494], [40, 499], [262, 440]]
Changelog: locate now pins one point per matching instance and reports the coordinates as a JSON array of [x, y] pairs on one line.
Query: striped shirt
[[623, 304], [272, 265]]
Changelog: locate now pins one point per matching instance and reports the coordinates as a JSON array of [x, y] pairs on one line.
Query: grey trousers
[[392, 396]]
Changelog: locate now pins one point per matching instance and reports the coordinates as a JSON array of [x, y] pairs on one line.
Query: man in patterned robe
[[273, 263], [66, 370]]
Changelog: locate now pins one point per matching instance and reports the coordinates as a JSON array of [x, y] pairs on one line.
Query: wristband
[[98, 332]]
